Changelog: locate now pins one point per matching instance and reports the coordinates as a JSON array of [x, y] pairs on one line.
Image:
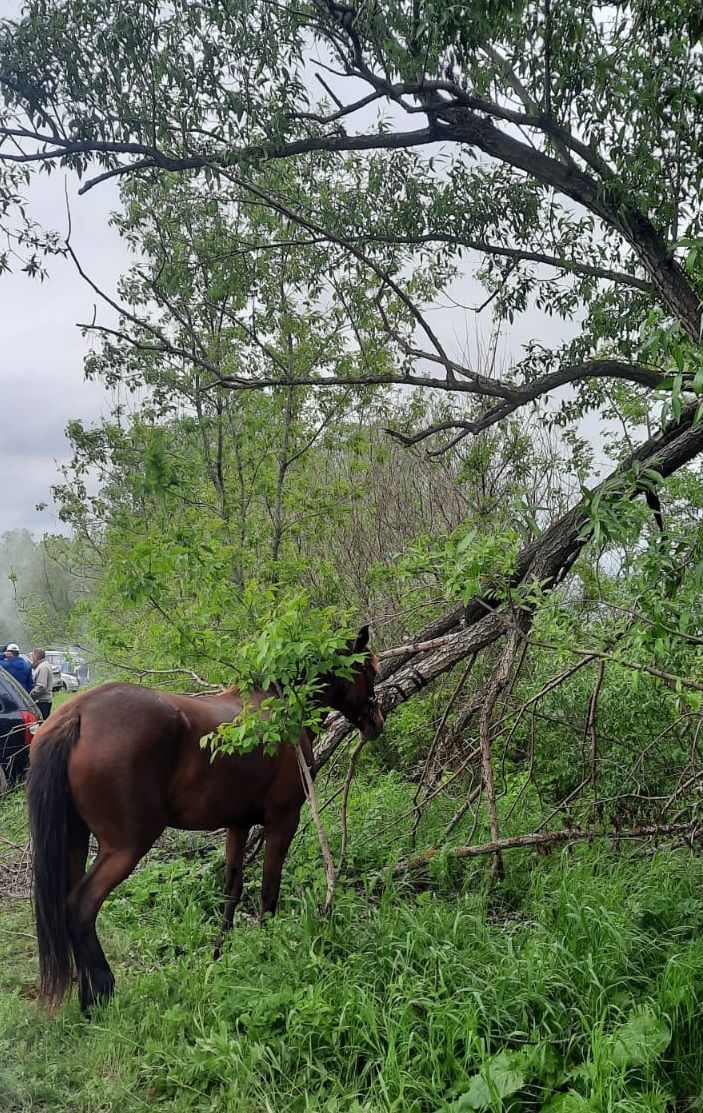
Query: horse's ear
[[362, 639]]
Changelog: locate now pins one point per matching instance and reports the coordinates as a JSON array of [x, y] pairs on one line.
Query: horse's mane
[[231, 691]]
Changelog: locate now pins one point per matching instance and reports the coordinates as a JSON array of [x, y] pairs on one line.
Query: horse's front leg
[[279, 834], [234, 879]]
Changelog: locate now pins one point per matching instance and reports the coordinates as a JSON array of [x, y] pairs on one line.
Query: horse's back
[[139, 764], [127, 749], [226, 790]]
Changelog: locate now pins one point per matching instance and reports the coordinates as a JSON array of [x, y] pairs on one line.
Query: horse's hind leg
[[234, 878], [95, 979], [279, 835]]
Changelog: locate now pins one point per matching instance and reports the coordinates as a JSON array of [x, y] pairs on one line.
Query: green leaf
[[498, 1078], [640, 1040], [568, 1103]]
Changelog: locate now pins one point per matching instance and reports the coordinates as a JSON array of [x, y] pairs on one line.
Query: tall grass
[[573, 987]]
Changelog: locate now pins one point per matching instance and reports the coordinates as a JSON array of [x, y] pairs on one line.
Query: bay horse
[[124, 762]]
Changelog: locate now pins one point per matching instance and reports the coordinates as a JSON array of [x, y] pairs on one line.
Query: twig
[[309, 787], [591, 723], [459, 815], [496, 684], [442, 723], [634, 666], [351, 769]]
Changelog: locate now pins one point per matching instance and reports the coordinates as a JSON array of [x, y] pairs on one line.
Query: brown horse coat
[[123, 762], [179, 782]]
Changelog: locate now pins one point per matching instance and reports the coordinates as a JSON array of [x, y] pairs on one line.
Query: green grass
[[575, 988], [61, 697]]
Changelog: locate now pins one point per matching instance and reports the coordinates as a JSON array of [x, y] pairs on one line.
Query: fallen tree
[[464, 630]]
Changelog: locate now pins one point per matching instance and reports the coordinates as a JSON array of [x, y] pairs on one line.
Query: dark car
[[19, 718]]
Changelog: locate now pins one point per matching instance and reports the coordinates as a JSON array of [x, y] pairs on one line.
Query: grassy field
[[61, 697], [575, 988]]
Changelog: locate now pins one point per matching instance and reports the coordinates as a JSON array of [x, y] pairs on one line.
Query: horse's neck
[[309, 734]]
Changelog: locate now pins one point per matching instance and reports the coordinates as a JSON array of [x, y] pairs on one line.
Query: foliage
[[464, 563], [39, 586], [574, 986], [292, 656]]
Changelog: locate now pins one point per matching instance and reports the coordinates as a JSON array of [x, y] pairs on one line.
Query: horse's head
[[356, 698]]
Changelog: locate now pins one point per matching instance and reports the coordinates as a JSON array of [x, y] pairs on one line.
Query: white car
[[63, 660], [55, 659], [61, 681]]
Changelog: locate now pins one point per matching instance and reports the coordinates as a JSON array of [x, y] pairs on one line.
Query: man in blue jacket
[[17, 666]]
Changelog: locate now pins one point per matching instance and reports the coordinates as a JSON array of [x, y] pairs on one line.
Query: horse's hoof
[[96, 991]]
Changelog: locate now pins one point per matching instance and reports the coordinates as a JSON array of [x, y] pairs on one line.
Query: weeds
[[576, 987]]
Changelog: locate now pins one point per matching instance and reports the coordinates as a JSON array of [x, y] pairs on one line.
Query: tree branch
[[466, 629], [522, 395], [550, 840]]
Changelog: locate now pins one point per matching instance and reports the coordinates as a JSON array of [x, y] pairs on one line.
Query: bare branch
[[309, 787], [515, 395], [519, 254], [164, 344], [497, 682], [550, 840], [530, 392], [351, 769], [343, 110]]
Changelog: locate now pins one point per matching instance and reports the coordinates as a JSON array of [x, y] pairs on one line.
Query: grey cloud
[[41, 354]]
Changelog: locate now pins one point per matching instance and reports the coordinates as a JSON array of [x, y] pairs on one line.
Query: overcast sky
[[41, 365], [41, 359]]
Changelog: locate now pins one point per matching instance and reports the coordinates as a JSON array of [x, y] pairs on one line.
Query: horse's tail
[[51, 817]]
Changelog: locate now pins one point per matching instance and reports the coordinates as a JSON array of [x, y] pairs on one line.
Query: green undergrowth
[[574, 986]]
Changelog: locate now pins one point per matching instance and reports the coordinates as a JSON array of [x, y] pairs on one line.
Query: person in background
[[17, 666], [43, 691]]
